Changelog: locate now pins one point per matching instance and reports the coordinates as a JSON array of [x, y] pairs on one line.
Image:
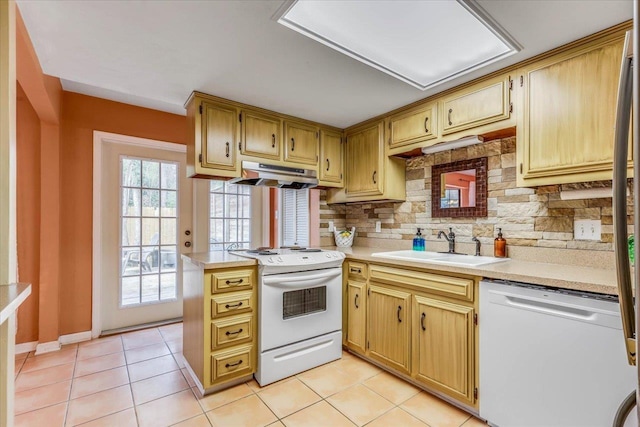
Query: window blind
[[295, 217]]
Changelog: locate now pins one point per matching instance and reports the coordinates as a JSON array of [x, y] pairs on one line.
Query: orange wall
[[81, 115], [28, 212]]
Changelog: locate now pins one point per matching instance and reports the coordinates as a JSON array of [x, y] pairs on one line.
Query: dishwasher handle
[[554, 308]]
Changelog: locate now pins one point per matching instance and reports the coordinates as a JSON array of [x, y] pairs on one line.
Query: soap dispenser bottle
[[499, 245], [418, 241]]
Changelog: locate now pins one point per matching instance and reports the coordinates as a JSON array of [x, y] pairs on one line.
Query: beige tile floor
[[138, 379]]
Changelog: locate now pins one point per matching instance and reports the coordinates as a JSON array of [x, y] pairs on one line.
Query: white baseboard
[[26, 347], [74, 338], [47, 347]]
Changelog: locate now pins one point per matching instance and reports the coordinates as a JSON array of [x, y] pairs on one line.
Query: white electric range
[[299, 310]]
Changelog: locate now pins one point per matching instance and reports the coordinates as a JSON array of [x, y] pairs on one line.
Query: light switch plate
[[331, 227], [378, 226], [587, 229]]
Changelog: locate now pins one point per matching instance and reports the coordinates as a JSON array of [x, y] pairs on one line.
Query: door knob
[[187, 232], [187, 244]]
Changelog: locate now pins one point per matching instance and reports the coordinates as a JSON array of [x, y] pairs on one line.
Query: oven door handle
[[301, 281]]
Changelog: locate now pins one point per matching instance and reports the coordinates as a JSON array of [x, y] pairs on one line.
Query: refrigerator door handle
[[621, 151]]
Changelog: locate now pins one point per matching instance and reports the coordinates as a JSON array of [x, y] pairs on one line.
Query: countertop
[[547, 274], [11, 296], [218, 259]]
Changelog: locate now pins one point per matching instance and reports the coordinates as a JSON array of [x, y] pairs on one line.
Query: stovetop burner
[[261, 252]]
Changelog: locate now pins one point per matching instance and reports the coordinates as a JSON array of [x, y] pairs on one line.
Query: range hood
[[262, 174]]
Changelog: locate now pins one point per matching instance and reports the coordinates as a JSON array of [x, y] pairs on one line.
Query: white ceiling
[[154, 53]]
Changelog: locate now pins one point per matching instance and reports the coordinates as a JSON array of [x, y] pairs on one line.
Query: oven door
[[298, 306]]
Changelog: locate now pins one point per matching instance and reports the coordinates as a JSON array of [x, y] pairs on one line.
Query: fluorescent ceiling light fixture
[[421, 42], [450, 145]]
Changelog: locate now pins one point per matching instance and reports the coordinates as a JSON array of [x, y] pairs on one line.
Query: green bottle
[[632, 250]]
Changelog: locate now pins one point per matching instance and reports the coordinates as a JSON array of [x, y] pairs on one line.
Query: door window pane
[[149, 231]]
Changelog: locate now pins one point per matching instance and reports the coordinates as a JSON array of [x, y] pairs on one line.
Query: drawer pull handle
[[422, 321], [227, 153], [273, 140], [355, 270], [399, 309], [229, 365], [426, 121], [374, 177], [234, 282], [355, 301], [293, 144], [449, 116], [328, 165], [233, 305], [233, 333]]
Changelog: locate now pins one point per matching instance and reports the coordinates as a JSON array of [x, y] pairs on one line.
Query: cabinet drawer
[[236, 329], [357, 270], [454, 287], [225, 281], [234, 303], [233, 363]]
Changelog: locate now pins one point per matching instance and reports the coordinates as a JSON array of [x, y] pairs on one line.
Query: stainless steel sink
[[440, 258]]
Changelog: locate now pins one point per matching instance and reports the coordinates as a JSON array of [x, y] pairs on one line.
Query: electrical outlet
[[587, 229], [378, 226], [331, 227]]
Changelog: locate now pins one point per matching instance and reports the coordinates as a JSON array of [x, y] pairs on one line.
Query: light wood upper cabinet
[[389, 323], [566, 123], [301, 143], [330, 164], [219, 133], [357, 316], [364, 154], [443, 349], [261, 135], [481, 104], [413, 126]]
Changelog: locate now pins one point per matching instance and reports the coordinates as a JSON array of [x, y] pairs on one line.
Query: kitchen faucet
[[451, 238], [475, 239]]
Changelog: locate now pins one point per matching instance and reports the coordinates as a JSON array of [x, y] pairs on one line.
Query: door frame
[[99, 139]]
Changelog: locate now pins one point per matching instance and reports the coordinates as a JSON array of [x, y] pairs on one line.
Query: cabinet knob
[[374, 177]]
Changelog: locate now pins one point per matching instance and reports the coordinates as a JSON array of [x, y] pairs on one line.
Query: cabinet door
[[356, 312], [301, 143], [413, 126], [330, 164], [389, 324], [364, 169], [219, 127], [261, 135], [481, 104], [566, 129], [443, 355]]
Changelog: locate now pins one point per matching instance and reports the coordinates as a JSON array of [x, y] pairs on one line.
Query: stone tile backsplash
[[531, 217]]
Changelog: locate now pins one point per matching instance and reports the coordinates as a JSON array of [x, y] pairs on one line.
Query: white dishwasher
[[550, 357]]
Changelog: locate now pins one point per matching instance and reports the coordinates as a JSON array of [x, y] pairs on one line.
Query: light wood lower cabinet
[[220, 325], [443, 343], [389, 324], [420, 324], [357, 316]]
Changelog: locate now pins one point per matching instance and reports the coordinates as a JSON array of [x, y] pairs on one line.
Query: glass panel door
[[148, 224]]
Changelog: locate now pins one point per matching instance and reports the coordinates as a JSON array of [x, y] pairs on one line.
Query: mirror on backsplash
[[459, 189]]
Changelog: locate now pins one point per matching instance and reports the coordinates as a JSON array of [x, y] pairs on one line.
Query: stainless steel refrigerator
[[628, 97]]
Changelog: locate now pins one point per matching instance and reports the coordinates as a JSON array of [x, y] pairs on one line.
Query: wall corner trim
[[47, 347]]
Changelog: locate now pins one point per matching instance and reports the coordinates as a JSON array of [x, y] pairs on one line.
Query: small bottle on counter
[[419, 242], [500, 245]]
